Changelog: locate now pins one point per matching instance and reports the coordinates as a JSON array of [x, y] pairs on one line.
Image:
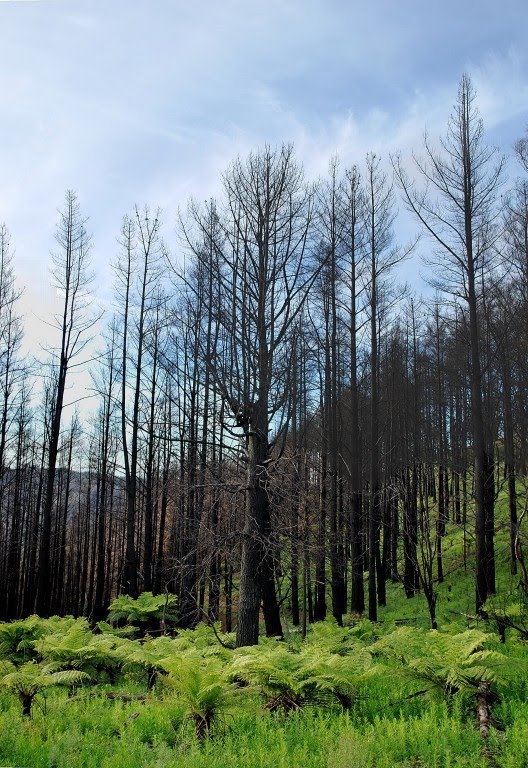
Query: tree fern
[[147, 656], [290, 680], [330, 637], [204, 637], [31, 678], [203, 688], [144, 609], [78, 647], [449, 663], [17, 638], [127, 631], [338, 674]]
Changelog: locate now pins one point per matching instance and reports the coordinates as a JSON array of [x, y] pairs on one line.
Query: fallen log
[[125, 696], [484, 697]]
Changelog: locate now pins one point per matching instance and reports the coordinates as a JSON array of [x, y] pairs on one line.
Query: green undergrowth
[[456, 593], [353, 696], [103, 734], [98, 733], [392, 694]]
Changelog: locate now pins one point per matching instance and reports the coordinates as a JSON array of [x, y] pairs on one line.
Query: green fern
[[78, 647], [330, 637], [107, 629], [338, 674], [290, 680], [144, 609], [449, 663], [17, 638], [31, 678], [203, 688], [148, 656], [203, 636]]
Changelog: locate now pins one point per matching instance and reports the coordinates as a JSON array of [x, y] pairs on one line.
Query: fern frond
[[143, 609], [448, 662]]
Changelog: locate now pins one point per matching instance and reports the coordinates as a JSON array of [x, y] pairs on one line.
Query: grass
[[98, 733], [434, 739]]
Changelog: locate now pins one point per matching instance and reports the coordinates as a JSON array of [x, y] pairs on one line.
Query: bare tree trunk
[[70, 272]]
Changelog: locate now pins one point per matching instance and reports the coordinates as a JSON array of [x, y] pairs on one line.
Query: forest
[[282, 432]]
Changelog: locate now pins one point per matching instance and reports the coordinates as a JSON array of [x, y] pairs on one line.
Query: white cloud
[[149, 102]]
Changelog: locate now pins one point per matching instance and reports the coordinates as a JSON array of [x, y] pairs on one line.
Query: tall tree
[[262, 274], [137, 272], [13, 381], [73, 281], [106, 382], [353, 236], [11, 332], [457, 207], [379, 214], [329, 226]]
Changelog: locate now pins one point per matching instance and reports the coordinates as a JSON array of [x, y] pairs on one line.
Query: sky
[[148, 101]]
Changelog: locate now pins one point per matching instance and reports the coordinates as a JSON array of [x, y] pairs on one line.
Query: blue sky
[[147, 101]]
